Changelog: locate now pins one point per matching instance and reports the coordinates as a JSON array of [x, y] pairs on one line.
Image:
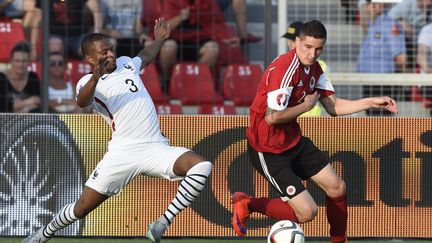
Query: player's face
[[309, 49], [103, 52]]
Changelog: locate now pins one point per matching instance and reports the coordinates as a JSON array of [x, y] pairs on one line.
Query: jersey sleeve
[[325, 88], [278, 99], [82, 82], [129, 63], [137, 63], [279, 77]]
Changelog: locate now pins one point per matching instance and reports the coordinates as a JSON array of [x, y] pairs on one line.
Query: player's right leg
[[88, 201], [301, 208], [295, 204], [241, 212], [180, 164]]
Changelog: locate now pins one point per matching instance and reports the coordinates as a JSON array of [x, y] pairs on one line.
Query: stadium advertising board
[[386, 163]]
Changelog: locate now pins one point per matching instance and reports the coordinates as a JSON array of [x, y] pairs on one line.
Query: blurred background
[[217, 51]]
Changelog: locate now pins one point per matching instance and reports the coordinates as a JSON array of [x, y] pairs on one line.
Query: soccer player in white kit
[[137, 145]]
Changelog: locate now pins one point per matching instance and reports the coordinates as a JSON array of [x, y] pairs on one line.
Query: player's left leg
[[88, 201], [337, 212], [196, 170]]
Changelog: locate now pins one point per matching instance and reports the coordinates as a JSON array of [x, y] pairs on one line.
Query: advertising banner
[[46, 159]]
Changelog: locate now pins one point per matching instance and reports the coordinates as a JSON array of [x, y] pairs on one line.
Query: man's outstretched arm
[[161, 31]]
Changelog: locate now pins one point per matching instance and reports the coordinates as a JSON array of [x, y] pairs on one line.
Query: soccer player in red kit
[[290, 86]]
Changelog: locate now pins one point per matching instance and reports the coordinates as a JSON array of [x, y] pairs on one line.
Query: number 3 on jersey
[[133, 88]]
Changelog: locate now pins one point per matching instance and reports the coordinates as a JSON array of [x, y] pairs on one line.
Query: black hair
[[56, 53], [315, 29], [88, 41], [22, 46]]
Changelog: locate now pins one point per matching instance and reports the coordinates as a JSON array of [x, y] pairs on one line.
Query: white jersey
[[121, 98]]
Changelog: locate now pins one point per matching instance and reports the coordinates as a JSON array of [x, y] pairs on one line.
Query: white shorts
[[118, 168]]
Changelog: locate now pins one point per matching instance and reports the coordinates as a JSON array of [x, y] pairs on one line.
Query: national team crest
[[291, 190], [127, 66]]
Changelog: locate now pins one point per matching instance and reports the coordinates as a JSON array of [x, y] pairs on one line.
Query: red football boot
[[240, 203]]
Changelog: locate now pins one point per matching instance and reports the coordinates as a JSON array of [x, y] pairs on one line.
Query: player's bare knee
[[342, 187], [338, 189], [307, 214], [186, 162]]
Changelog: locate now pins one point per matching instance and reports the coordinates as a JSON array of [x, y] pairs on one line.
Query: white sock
[[63, 218], [189, 189]]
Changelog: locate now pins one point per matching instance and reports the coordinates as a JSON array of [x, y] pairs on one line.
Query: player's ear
[[90, 60]]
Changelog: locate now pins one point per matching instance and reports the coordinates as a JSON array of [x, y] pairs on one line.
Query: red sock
[[273, 208], [337, 216]]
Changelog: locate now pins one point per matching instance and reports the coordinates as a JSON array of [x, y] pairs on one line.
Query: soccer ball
[[286, 231]]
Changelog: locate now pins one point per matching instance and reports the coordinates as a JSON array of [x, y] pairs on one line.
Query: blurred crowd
[[397, 38], [200, 34]]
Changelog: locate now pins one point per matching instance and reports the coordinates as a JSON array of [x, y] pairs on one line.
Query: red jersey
[[284, 84]]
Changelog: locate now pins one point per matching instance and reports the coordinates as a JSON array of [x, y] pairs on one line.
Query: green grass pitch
[[111, 240]]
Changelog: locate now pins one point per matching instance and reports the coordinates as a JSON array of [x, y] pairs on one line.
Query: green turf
[[106, 240]]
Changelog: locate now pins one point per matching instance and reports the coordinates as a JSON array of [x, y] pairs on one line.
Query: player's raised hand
[[100, 68], [162, 29]]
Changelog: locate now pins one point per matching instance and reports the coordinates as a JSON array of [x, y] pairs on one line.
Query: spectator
[[72, 20], [19, 88], [61, 92], [240, 13], [382, 51], [424, 49], [291, 35], [56, 44], [167, 57], [412, 15], [123, 23], [24, 10], [292, 32], [424, 57], [200, 29], [20, 9]]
